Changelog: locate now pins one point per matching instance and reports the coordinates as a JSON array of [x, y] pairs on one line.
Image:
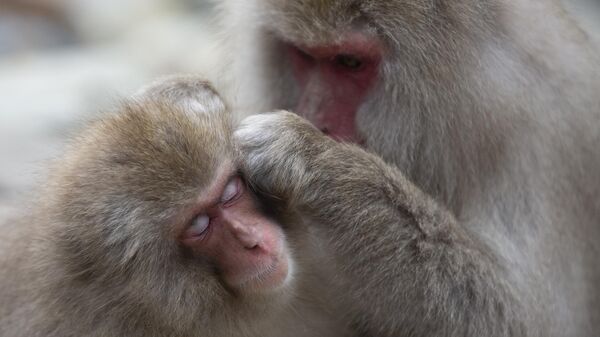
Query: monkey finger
[[277, 151]]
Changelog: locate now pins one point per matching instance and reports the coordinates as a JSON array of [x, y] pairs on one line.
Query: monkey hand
[[279, 152], [285, 156]]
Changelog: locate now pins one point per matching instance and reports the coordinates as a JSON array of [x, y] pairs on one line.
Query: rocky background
[[63, 61]]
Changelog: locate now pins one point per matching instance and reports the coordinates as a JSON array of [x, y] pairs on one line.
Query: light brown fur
[[98, 256]]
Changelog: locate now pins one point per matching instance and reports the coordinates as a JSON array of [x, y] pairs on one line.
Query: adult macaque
[[478, 211], [147, 229]]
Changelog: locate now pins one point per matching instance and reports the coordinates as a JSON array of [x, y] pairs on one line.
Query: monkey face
[[228, 229], [334, 81]]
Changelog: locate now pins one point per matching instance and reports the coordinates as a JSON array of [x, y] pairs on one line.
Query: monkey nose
[[247, 235]]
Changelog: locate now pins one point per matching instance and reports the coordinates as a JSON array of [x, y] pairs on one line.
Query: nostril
[[249, 242], [325, 131], [247, 235]]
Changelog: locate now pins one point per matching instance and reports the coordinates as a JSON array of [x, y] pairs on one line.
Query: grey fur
[[479, 215]]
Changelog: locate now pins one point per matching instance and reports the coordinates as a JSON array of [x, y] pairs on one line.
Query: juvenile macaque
[[147, 228], [475, 209]]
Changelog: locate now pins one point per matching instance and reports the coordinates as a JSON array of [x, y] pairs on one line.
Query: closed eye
[[199, 225], [232, 191]]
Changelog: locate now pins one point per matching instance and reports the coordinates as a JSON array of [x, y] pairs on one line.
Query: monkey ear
[[190, 93]]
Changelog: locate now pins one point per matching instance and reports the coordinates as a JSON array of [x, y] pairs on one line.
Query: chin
[[274, 278]]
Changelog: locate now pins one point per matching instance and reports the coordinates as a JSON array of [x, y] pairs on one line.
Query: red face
[[228, 228], [334, 81]]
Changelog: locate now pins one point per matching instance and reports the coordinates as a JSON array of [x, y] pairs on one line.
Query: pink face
[[228, 229], [334, 81]]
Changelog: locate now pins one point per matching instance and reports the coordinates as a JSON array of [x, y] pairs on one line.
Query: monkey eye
[[231, 191], [347, 61], [301, 55], [199, 225]]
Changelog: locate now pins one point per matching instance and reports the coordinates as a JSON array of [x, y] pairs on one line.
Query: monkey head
[[408, 80], [152, 214]]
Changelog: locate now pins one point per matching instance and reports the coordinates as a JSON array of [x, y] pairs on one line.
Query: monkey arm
[[394, 248]]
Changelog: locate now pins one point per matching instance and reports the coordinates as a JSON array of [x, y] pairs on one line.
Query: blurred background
[[62, 61]]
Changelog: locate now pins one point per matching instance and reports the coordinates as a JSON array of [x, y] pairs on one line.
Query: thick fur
[[485, 120], [99, 256]]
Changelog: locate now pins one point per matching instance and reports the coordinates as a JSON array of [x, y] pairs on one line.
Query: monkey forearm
[[395, 249], [398, 249]]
